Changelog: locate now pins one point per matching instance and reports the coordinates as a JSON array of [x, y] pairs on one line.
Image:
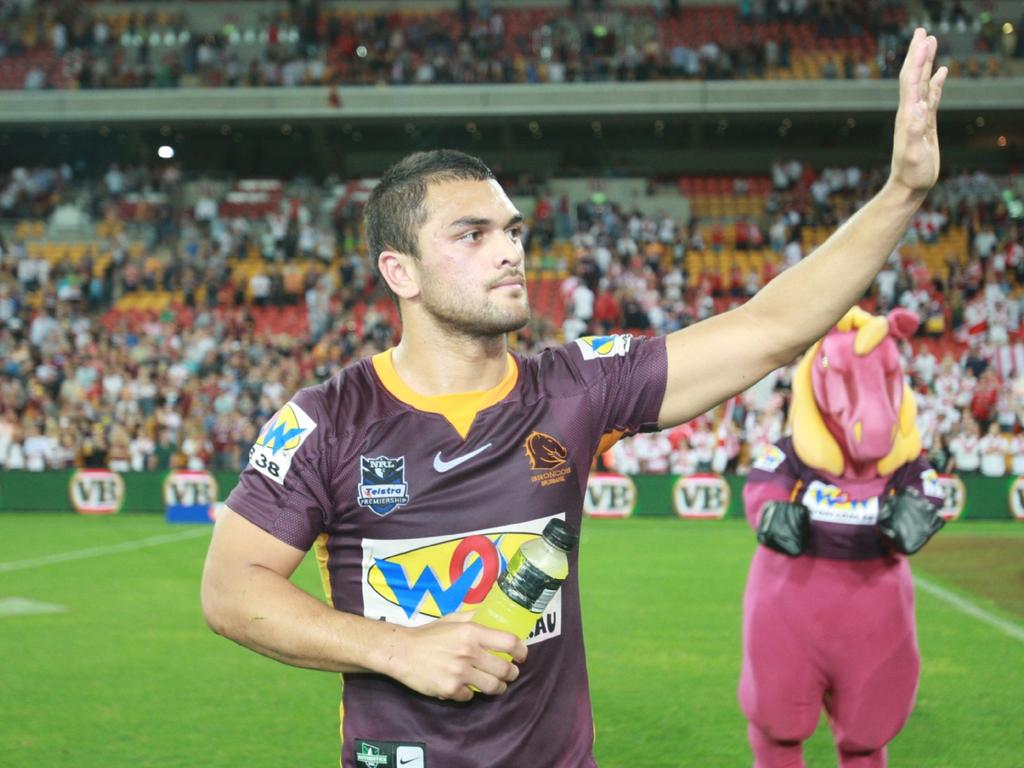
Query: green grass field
[[128, 675]]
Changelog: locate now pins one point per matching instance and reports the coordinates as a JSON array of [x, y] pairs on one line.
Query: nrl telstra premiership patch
[[382, 486], [386, 754]]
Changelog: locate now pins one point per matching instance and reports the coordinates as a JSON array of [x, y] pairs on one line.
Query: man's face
[[471, 266]]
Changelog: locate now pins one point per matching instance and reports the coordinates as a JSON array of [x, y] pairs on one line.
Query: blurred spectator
[[965, 448], [993, 449]]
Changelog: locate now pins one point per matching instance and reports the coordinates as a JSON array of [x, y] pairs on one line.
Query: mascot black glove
[[784, 526], [907, 520]]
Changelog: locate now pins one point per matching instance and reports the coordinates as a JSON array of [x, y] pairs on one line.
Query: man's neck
[[444, 364]]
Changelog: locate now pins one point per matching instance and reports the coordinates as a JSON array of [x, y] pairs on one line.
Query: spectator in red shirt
[[742, 235], [717, 237], [607, 312], [985, 398]]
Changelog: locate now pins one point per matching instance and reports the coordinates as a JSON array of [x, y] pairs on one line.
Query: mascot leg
[[877, 759], [771, 753], [874, 680], [781, 686]]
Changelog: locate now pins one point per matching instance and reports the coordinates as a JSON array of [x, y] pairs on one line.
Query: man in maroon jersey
[[417, 473]]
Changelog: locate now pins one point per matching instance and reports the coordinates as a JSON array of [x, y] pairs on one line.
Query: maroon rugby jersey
[[417, 504], [843, 511]]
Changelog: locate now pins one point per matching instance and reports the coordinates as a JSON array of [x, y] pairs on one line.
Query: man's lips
[[510, 282]]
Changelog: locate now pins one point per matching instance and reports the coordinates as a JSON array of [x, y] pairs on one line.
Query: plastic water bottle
[[535, 573]]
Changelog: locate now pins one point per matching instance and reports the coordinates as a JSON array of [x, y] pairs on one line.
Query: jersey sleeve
[[625, 378], [920, 476], [281, 489], [772, 478]]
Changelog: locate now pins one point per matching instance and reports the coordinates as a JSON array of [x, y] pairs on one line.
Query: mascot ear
[[903, 323]]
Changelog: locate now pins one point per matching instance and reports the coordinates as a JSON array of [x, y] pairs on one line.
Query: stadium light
[[165, 151]]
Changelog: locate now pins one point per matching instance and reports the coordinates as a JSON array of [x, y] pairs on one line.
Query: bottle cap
[[561, 535]]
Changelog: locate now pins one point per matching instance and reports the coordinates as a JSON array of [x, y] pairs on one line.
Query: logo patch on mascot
[[770, 460], [931, 485], [831, 504]]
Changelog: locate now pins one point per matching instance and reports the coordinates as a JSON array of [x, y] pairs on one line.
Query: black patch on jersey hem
[[375, 753]]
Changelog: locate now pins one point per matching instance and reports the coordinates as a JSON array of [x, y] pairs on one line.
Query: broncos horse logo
[[544, 451]]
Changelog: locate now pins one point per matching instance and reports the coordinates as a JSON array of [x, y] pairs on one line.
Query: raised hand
[[450, 657], [915, 151]]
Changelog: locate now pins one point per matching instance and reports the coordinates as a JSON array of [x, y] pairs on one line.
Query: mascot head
[[852, 413]]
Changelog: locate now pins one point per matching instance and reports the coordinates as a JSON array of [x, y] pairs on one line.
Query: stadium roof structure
[[652, 128], [482, 101]]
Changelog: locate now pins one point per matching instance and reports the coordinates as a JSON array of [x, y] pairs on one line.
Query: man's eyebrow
[[477, 221]]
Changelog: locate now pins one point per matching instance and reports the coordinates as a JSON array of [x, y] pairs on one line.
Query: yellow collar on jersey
[[459, 408]]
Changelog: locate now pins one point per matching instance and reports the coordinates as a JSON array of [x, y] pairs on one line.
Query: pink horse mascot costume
[[828, 615]]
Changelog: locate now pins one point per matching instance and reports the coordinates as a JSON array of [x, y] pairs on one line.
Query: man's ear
[[400, 273]]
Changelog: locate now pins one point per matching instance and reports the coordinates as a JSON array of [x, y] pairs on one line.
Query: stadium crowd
[[71, 45], [187, 383], [967, 367]]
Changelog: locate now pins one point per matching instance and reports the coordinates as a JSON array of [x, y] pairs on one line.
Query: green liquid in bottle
[[518, 598]]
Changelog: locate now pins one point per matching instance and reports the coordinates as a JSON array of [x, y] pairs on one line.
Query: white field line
[[110, 549], [965, 606], [22, 606]]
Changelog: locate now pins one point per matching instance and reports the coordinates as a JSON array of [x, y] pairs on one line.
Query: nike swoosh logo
[[409, 760], [441, 465]]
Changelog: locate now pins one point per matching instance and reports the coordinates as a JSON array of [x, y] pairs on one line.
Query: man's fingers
[[504, 642], [935, 88], [910, 71], [487, 683], [935, 95], [908, 62], [488, 674], [462, 693], [931, 45], [518, 652], [496, 667], [917, 71]]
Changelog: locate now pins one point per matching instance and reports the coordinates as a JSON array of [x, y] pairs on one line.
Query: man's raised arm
[[714, 359]]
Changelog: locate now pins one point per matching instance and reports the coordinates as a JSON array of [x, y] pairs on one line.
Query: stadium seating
[[171, 312], [343, 45]]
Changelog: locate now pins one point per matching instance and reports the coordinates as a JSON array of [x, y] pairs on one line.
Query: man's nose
[[508, 251]]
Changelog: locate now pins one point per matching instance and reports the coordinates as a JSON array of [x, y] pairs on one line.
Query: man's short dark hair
[[394, 213]]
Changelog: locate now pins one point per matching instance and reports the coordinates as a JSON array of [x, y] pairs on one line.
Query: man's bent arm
[[718, 357], [247, 597]]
